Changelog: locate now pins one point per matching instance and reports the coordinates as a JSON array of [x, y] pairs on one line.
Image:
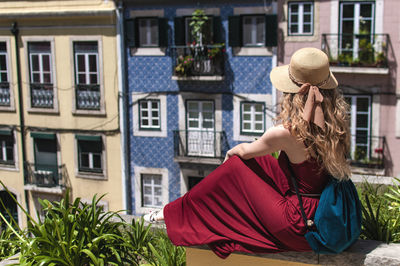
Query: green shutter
[[5, 132], [88, 138], [179, 25], [271, 30], [217, 30], [163, 32], [235, 31], [130, 30], [40, 135]]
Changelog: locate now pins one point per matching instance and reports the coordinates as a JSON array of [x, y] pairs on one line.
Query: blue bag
[[337, 221]]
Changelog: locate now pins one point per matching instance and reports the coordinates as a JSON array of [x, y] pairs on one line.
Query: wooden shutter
[[218, 36], [179, 25], [235, 31], [163, 32], [131, 33], [271, 30]]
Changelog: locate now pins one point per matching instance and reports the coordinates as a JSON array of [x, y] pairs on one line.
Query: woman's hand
[[228, 155]]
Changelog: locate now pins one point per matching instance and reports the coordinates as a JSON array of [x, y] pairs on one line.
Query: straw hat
[[307, 65]]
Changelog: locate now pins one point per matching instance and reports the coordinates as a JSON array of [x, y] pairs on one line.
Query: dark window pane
[[81, 63], [46, 78], [143, 104], [35, 62], [307, 7], [81, 79], [154, 114], [362, 104], [154, 32], [307, 28], [366, 10], [348, 11], [145, 113], [154, 105], [145, 122], [3, 62], [97, 161], [294, 29], [155, 122], [36, 78], [361, 136], [84, 160], [93, 79], [85, 47], [247, 27], [3, 77], [92, 63], [362, 120], [3, 47], [46, 62], [294, 8], [307, 18], [294, 18]]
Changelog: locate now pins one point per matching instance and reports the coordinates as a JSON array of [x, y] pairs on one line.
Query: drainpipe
[[124, 111], [15, 31]]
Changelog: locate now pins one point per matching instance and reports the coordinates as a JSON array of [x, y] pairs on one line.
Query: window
[[90, 154], [212, 33], [360, 125], [148, 32], [41, 80], [4, 76], [300, 18], [6, 147], [87, 74], [252, 118], [151, 190], [253, 30], [206, 34], [149, 112]]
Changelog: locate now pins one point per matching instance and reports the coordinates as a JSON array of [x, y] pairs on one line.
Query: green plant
[[393, 196], [381, 59], [184, 65], [345, 58], [165, 253], [197, 25], [366, 51], [9, 243]]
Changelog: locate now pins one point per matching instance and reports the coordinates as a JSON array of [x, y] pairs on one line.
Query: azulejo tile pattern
[[153, 74]]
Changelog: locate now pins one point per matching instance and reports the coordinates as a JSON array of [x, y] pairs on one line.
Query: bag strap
[[308, 222]]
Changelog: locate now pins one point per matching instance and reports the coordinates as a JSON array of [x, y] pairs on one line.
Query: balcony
[[45, 178], [42, 95], [200, 146], [357, 53], [88, 97], [4, 94], [197, 62], [368, 152]]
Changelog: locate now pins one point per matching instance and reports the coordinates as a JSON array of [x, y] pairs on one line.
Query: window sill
[[89, 113], [33, 110], [148, 51], [9, 167], [252, 51], [89, 175], [360, 70], [7, 109], [199, 78], [51, 190]]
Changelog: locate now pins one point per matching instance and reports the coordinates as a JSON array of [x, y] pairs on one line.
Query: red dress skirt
[[247, 206]]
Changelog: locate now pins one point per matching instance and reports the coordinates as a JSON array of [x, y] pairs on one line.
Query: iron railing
[[4, 94], [200, 143], [44, 175], [368, 151], [42, 95], [88, 97], [196, 60], [356, 50]]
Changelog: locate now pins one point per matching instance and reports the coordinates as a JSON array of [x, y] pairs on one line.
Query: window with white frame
[[6, 147], [253, 29], [4, 76], [206, 35], [148, 32], [149, 113], [252, 118], [87, 74], [151, 190], [90, 154], [300, 18], [360, 125], [41, 77]]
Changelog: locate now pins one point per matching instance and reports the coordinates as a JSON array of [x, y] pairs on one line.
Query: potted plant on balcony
[[184, 65]]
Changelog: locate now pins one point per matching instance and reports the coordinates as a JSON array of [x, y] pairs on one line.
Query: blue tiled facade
[[153, 74]]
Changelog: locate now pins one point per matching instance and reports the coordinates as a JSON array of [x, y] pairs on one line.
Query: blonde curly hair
[[330, 146]]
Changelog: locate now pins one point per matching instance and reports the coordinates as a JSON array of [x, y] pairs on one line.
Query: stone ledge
[[364, 252]]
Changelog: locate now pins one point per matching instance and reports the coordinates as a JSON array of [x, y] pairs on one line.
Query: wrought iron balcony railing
[[196, 60], [88, 97], [200, 143], [356, 50], [368, 151], [43, 175], [42, 95], [4, 94]]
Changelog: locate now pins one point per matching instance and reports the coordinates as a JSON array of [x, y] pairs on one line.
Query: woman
[[248, 203]]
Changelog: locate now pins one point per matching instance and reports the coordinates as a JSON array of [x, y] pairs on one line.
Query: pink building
[[361, 39]]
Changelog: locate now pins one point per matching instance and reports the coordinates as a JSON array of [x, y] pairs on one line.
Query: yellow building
[[59, 65]]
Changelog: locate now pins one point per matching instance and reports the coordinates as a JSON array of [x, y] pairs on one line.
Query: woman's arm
[[274, 139]]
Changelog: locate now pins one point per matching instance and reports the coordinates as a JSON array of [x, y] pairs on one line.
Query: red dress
[[247, 206]]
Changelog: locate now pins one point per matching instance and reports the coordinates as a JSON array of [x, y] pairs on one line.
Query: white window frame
[[153, 186], [41, 72], [138, 171], [150, 117], [148, 32], [100, 71], [253, 31], [353, 121], [3, 148], [26, 41], [15, 166], [300, 23], [141, 132], [252, 120]]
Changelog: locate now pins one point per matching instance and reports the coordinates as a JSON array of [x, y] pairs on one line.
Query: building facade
[[59, 102], [193, 95]]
